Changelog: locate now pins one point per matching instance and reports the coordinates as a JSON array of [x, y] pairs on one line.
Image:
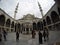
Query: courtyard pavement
[[54, 36]]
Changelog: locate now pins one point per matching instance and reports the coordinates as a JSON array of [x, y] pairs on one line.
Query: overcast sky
[[25, 7]]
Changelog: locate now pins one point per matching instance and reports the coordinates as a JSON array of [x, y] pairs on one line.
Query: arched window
[[12, 25], [44, 22], [19, 27], [22, 27], [15, 26], [34, 26], [38, 25], [41, 25], [2, 20], [54, 17], [8, 22], [48, 20]]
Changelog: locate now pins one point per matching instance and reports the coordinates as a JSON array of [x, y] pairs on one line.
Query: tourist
[[47, 34], [40, 37], [17, 35], [4, 34], [44, 35], [33, 33]]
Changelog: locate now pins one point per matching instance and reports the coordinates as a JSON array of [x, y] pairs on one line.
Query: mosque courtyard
[[26, 17], [54, 36]]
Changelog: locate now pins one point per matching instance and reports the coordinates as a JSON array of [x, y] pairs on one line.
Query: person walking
[[47, 34], [44, 35], [17, 36], [4, 34], [40, 37], [33, 33]]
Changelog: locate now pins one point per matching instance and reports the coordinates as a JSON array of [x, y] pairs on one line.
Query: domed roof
[[28, 16]]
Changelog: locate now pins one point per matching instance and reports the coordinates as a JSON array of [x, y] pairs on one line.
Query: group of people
[[3, 35], [45, 35], [42, 35]]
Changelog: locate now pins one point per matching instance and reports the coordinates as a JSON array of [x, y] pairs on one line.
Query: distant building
[[28, 21]]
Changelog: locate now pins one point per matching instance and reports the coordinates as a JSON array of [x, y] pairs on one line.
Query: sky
[[26, 7]]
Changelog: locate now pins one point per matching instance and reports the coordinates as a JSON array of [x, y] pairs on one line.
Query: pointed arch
[[41, 25], [44, 22], [48, 20], [34, 26], [2, 20], [18, 25], [12, 25], [54, 17], [8, 22], [15, 26], [38, 25]]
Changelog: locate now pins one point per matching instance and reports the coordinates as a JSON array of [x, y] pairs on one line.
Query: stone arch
[[38, 26], [54, 17], [19, 27], [2, 20], [59, 10], [48, 20], [41, 23], [34, 26], [12, 25], [44, 22], [22, 27], [15, 26], [8, 22]]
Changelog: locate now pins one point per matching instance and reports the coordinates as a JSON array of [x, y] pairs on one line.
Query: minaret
[[40, 9], [41, 14], [16, 9]]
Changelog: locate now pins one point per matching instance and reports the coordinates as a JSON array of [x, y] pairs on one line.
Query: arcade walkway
[[27, 40]]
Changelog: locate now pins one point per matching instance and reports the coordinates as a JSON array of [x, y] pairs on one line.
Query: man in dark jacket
[[40, 37], [33, 34], [4, 34], [17, 35]]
